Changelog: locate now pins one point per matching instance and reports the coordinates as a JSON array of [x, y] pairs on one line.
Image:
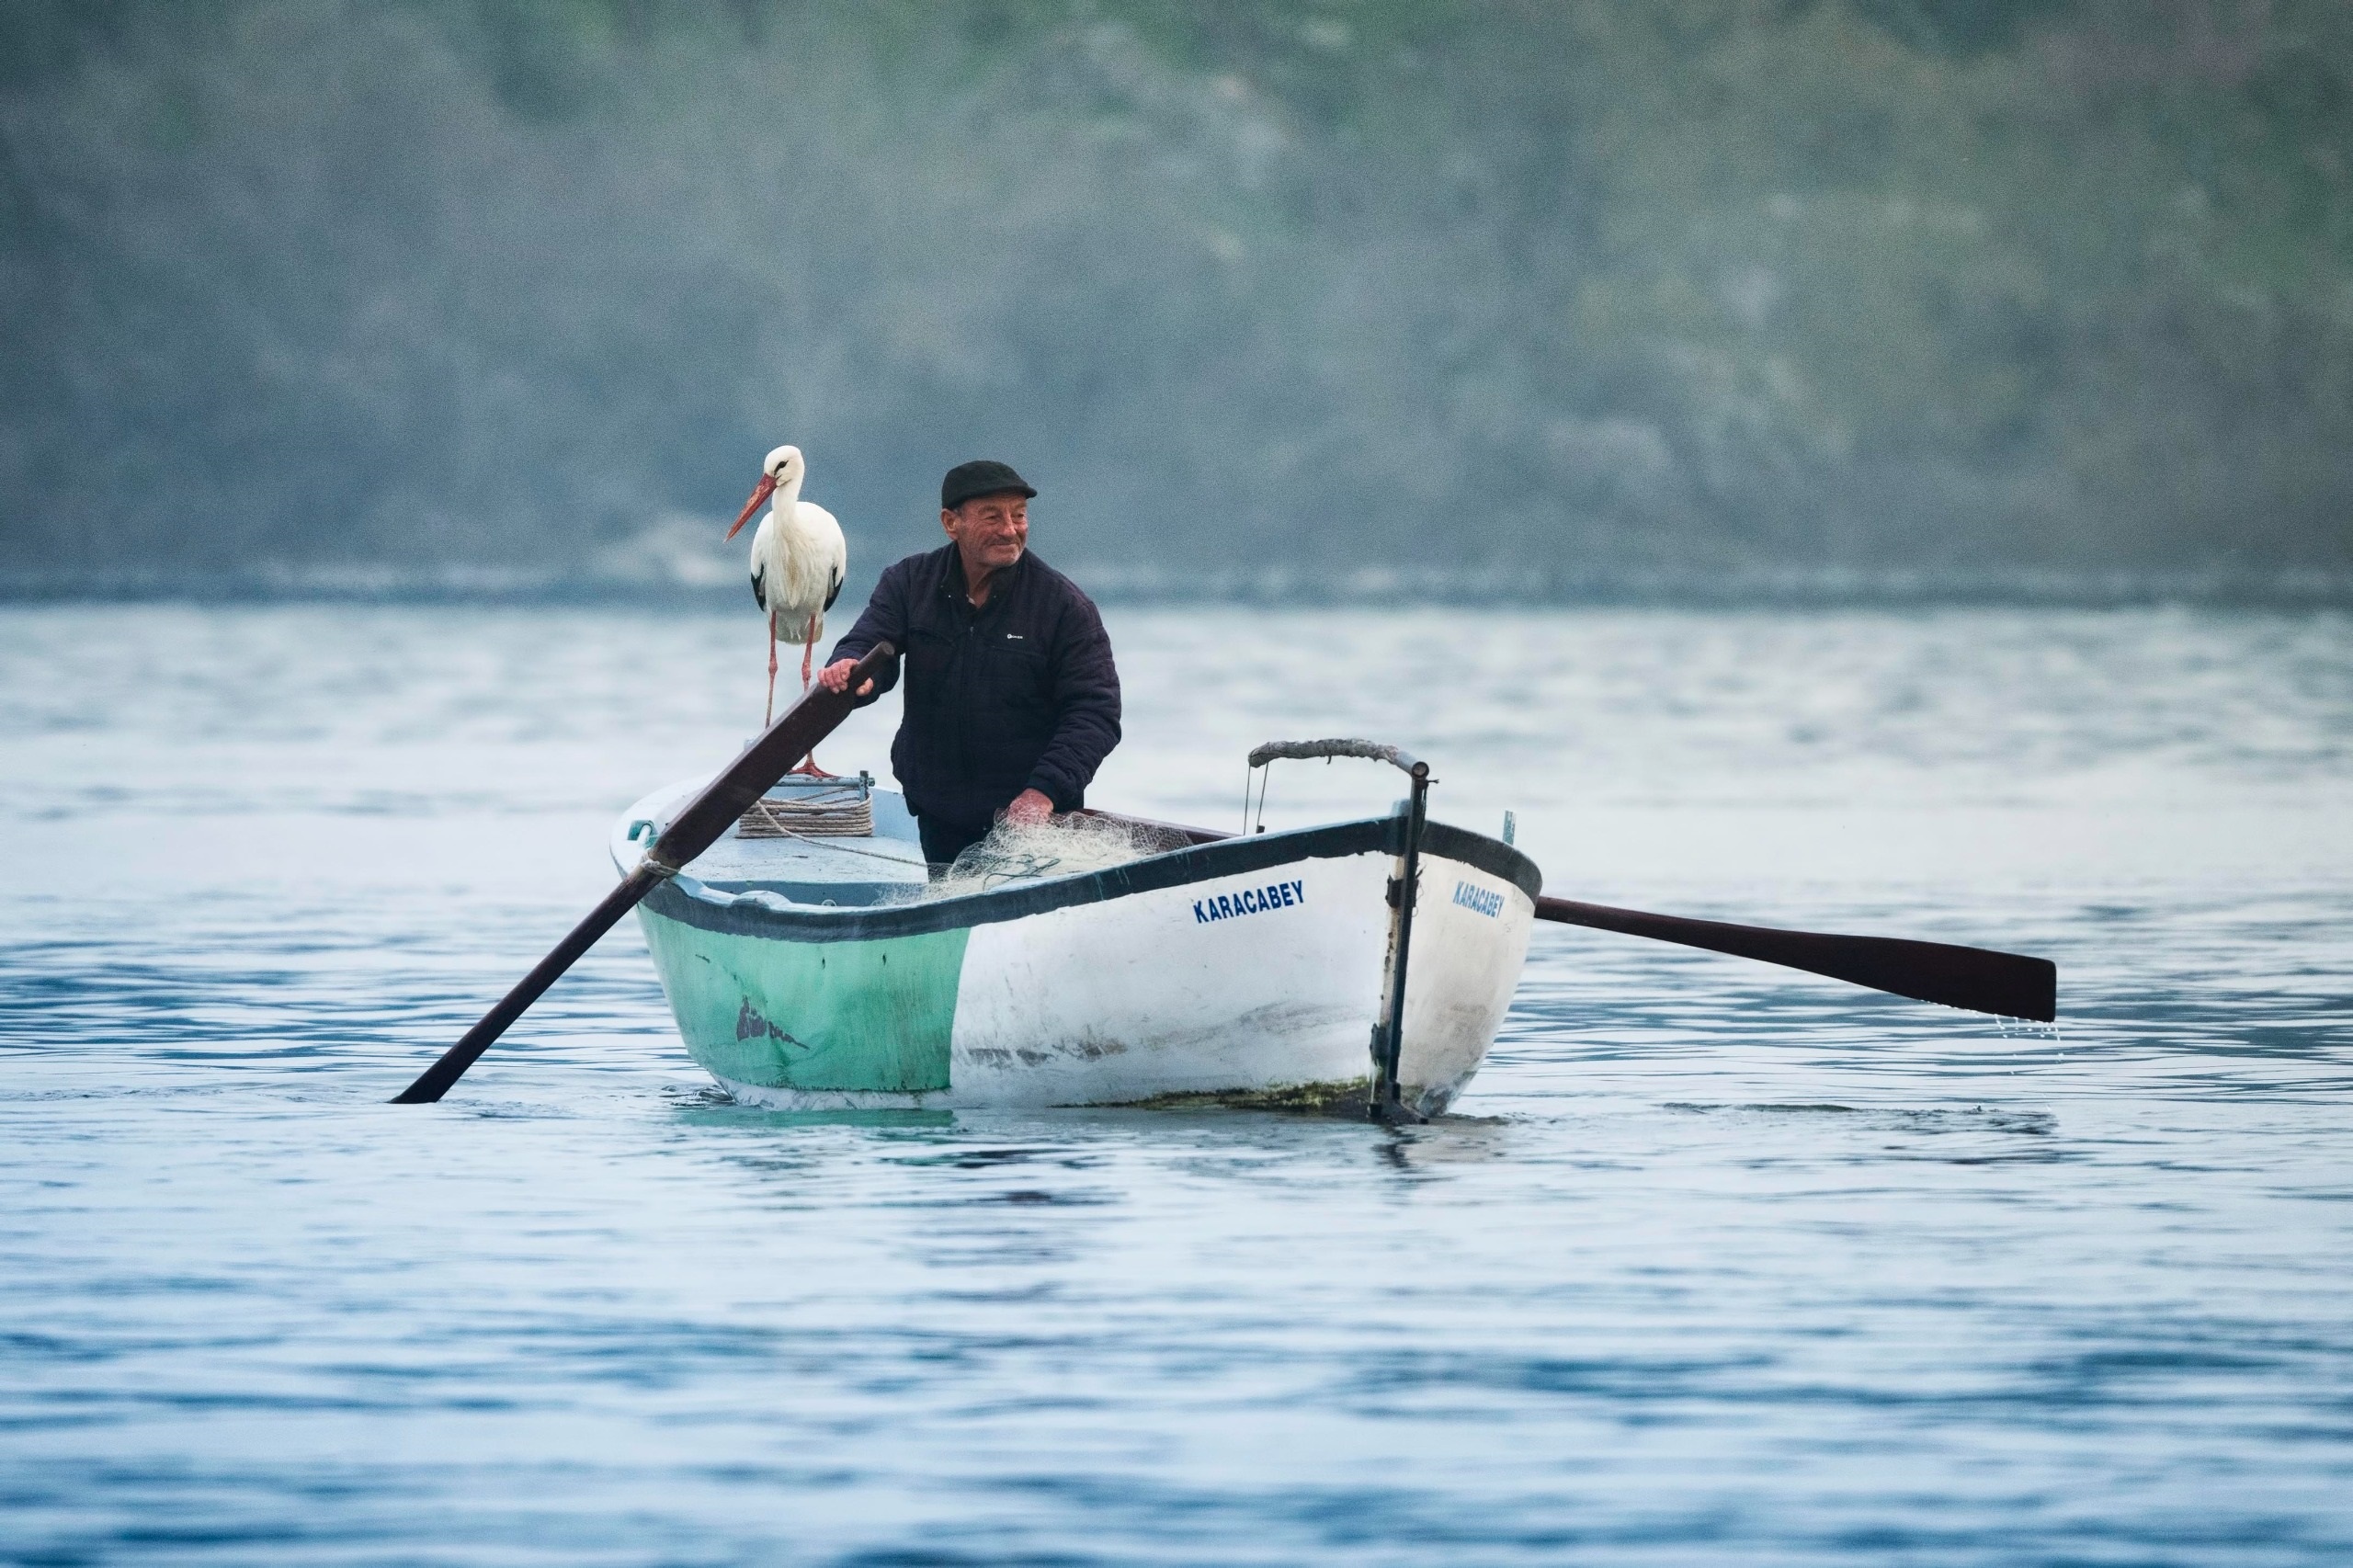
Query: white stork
[[798, 559]]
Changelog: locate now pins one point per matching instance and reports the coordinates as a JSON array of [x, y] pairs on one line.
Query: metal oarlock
[[1387, 1104]]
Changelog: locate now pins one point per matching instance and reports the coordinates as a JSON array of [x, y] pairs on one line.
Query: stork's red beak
[[760, 491]]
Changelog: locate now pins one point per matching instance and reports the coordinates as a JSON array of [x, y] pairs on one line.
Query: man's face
[[990, 531]]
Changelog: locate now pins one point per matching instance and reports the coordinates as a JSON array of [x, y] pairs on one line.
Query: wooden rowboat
[[1258, 969], [1269, 969]]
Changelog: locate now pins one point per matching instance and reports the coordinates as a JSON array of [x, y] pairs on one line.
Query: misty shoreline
[[1656, 293]]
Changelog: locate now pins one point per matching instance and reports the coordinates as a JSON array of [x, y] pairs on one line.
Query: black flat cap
[[968, 481]]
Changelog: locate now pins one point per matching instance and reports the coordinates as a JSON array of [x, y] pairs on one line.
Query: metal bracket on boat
[[1388, 1104], [647, 864]]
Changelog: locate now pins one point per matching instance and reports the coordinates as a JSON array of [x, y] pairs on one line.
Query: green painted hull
[[868, 1016]]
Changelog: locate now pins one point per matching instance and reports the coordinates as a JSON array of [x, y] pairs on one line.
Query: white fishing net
[[1071, 846]]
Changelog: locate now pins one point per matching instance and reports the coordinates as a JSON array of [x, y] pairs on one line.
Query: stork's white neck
[[787, 496]]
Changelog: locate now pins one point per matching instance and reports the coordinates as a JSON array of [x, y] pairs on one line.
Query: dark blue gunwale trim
[[1200, 863]]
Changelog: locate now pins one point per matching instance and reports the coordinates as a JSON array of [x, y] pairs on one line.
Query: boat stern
[[1472, 924]]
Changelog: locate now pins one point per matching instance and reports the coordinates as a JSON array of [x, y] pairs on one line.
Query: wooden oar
[[1975, 978], [816, 715]]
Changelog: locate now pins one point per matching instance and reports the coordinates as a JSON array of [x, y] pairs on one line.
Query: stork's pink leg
[[771, 709], [809, 764]]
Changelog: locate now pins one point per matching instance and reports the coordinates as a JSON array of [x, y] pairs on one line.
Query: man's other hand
[[836, 678], [1029, 809]]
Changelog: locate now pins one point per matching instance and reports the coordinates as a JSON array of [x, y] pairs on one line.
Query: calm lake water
[[1717, 1263]]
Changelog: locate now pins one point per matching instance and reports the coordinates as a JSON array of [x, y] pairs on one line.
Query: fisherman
[[1012, 699]]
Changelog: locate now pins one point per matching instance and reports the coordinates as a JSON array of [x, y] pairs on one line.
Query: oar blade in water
[[1977, 979]]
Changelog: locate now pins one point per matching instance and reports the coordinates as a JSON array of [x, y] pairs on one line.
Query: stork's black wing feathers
[[759, 596], [834, 592]]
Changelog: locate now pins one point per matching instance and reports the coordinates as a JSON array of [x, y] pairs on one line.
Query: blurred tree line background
[[1514, 296]]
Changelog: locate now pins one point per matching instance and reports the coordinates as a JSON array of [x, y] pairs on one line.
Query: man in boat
[[1012, 698]]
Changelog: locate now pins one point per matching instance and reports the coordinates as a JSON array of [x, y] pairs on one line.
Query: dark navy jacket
[[1020, 694]]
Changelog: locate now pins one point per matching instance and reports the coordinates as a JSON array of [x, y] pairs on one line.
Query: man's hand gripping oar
[[818, 713]]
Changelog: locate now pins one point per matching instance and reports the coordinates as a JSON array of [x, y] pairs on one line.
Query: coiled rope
[[844, 812]]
